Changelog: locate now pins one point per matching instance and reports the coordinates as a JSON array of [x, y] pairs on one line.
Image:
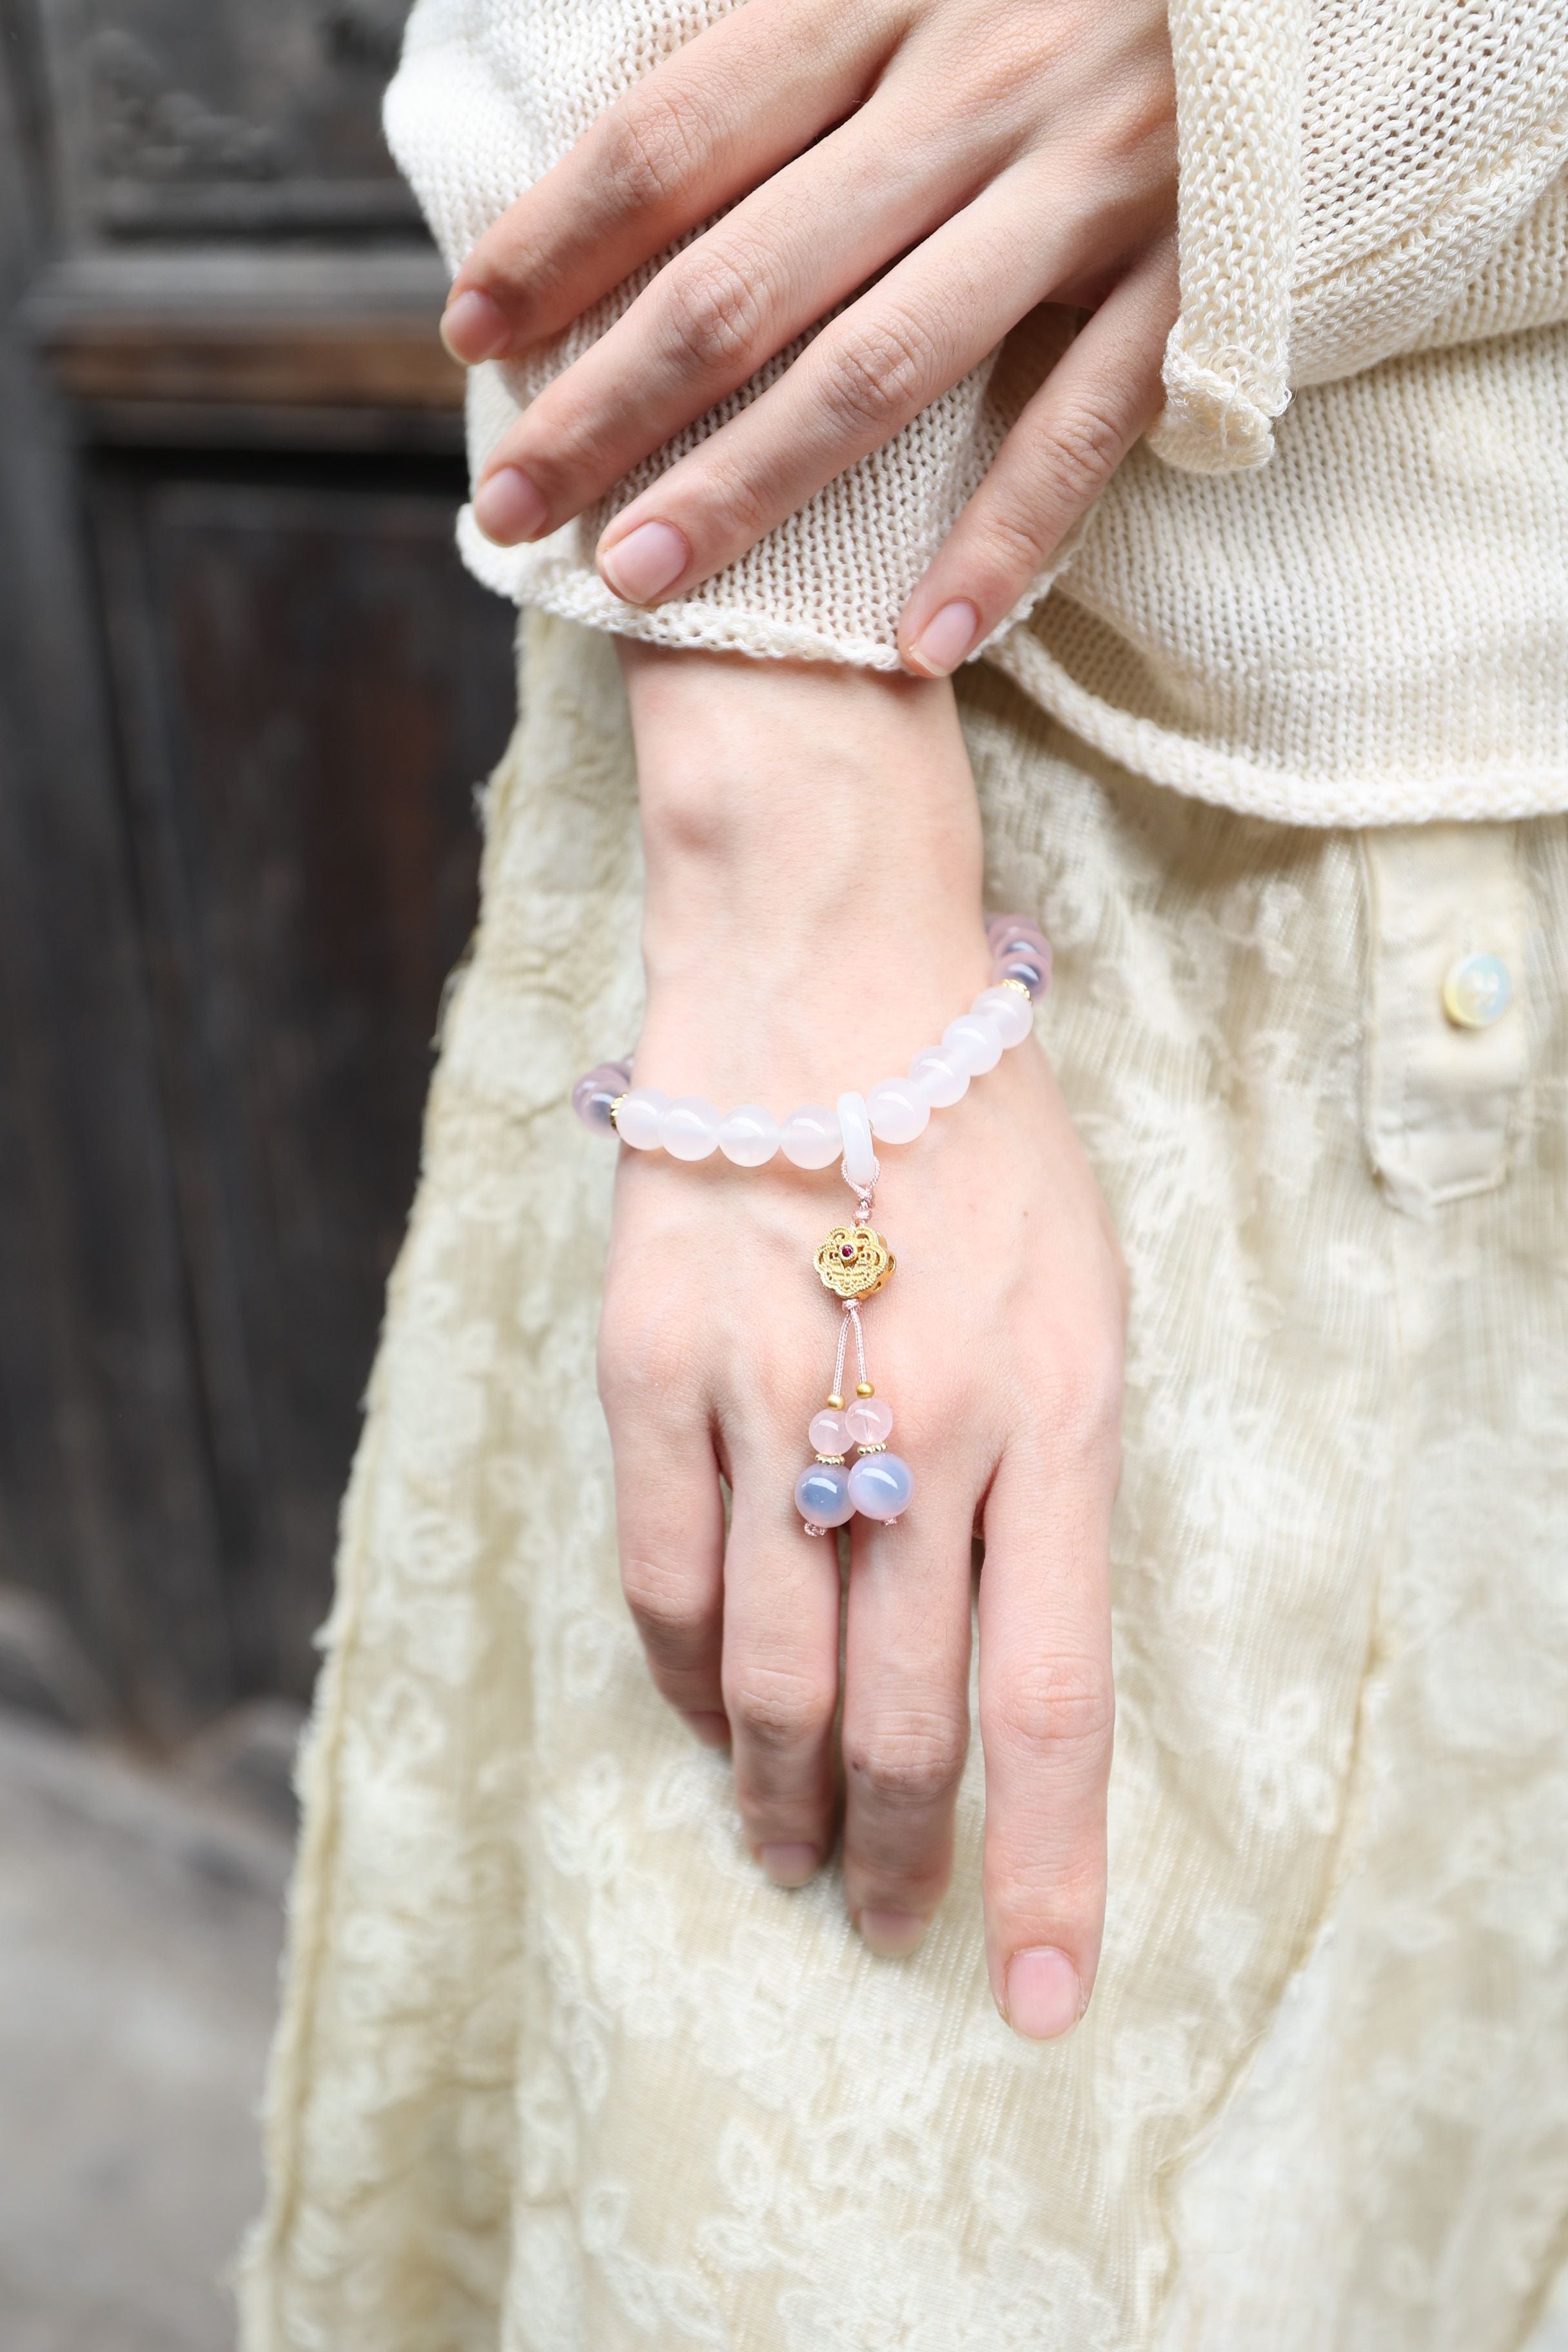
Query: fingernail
[[788, 1865], [946, 638], [890, 1934], [473, 328], [646, 561], [508, 507], [1045, 1999], [713, 1730]]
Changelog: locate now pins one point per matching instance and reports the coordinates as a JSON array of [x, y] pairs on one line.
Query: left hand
[[1013, 153]]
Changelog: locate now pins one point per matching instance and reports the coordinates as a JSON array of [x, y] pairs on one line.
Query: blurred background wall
[[246, 695]]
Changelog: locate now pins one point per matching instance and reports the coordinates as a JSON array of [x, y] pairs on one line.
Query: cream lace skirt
[[559, 2069]]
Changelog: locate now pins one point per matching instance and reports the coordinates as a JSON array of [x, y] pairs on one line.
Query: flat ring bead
[[977, 1038], [829, 1431], [821, 1493], [749, 1135], [942, 1078], [860, 1152], [1014, 1019], [880, 1486], [868, 1421], [636, 1121], [594, 1094], [811, 1137], [899, 1111], [689, 1128], [1032, 972]]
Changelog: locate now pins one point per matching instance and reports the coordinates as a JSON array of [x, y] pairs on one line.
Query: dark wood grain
[[312, 691], [105, 1495]]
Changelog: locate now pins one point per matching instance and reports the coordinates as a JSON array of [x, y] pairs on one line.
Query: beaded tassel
[[854, 1262]]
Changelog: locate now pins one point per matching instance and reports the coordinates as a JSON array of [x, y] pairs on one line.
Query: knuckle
[[1086, 447], [662, 1598], [1054, 1708], [646, 150], [879, 372], [779, 1706], [645, 1363], [734, 492], [909, 1764], [712, 311], [1080, 1396]]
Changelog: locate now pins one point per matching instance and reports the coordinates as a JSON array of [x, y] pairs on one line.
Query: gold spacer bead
[[864, 1388], [1021, 989], [836, 1401], [614, 1108]]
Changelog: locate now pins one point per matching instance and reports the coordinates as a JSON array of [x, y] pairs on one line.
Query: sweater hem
[[1230, 780]]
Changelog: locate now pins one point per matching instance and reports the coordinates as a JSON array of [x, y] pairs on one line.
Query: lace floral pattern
[[558, 2072]]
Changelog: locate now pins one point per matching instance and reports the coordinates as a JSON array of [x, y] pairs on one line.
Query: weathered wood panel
[[311, 691]]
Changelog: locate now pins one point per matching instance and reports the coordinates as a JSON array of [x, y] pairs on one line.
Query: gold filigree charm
[[854, 1261]]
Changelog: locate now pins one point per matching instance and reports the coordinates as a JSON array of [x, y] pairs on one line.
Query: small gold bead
[[864, 1388], [836, 1401]]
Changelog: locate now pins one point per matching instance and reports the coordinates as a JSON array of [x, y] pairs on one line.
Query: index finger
[[705, 127], [1047, 1711]]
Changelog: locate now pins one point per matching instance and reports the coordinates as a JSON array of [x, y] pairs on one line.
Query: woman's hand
[[812, 917], [985, 156]]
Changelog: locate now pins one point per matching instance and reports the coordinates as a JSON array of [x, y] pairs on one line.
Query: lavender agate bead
[[880, 1486], [749, 1136], [636, 1121], [810, 1137], [821, 1493], [593, 1094]]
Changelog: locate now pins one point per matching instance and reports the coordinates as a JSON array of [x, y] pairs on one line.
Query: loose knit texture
[[1360, 180]]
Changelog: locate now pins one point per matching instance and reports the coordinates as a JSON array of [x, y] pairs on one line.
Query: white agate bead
[[689, 1128], [810, 1137], [855, 1127], [942, 1078], [1014, 1015], [749, 1136], [636, 1121], [899, 1111], [976, 1036]]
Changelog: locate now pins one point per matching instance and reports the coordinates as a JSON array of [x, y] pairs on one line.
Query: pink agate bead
[[749, 1136], [689, 1128], [636, 1121], [977, 1038], [810, 1137], [829, 1431], [942, 1078], [868, 1421], [899, 1111], [1011, 1014]]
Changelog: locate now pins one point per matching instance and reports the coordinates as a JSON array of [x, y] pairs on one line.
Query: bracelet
[[854, 1262]]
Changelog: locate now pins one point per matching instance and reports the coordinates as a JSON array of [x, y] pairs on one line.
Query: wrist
[[788, 806]]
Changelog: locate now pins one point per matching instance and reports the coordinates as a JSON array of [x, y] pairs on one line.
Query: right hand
[[812, 917], [941, 167]]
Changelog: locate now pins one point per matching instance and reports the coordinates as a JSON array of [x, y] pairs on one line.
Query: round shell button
[[1477, 991]]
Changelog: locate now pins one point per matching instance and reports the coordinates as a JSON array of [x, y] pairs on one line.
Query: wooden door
[[247, 695]]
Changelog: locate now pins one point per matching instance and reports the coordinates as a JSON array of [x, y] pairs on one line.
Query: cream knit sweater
[[1370, 627]]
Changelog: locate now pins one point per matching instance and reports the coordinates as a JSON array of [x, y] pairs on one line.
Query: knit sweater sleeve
[[1354, 177], [1358, 178]]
